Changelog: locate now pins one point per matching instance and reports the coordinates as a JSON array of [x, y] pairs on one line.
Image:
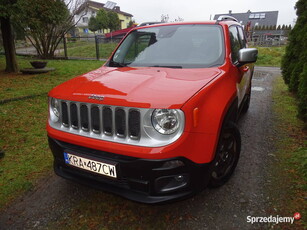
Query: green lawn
[[87, 49], [19, 85], [23, 136], [291, 153], [270, 56]]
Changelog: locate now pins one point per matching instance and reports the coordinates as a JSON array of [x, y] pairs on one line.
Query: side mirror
[[247, 55]]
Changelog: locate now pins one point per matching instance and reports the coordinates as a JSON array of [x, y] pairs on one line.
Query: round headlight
[[165, 121], [54, 109]]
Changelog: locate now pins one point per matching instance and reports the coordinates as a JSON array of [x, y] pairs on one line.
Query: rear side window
[[242, 37], [235, 43]]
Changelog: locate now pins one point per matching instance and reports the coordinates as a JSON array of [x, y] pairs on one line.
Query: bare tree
[[179, 19], [164, 18], [45, 22]]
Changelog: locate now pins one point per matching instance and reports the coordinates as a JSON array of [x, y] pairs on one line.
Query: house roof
[[98, 5], [260, 18]]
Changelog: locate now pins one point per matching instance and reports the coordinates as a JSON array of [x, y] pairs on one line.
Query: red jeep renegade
[[157, 122]]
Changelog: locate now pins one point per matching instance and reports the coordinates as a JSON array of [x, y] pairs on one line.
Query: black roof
[[260, 18]]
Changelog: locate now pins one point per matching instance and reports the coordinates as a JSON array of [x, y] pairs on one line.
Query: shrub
[[302, 93], [294, 62]]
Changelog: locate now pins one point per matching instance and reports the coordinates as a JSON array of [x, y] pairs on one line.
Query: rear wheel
[[227, 155]]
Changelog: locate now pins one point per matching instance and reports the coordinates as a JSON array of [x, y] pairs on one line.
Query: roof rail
[[226, 18]]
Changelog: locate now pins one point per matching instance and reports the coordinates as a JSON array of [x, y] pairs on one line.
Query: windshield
[[175, 46]]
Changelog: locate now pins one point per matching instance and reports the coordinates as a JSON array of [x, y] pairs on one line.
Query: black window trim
[[235, 26]]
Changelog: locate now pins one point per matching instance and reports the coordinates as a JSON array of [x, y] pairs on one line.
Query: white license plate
[[90, 165]]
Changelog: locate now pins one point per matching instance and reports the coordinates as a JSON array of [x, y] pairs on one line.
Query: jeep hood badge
[[96, 97]]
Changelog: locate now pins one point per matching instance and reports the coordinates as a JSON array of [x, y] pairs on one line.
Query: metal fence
[[266, 43], [91, 47], [99, 48]]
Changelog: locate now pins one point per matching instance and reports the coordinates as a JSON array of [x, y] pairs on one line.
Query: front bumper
[[141, 180]]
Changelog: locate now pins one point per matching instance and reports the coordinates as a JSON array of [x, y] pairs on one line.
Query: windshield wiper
[[168, 66]]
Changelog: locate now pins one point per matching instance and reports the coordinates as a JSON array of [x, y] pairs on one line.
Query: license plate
[[90, 165]]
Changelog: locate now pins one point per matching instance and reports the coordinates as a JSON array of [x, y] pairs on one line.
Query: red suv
[[157, 122]]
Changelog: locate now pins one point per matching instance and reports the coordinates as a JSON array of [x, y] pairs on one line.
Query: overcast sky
[[200, 10]]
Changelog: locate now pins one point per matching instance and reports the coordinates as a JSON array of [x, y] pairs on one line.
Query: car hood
[[144, 87]]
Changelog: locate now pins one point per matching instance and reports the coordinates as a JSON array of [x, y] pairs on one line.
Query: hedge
[[294, 63]]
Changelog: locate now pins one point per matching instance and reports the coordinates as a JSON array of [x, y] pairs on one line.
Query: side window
[[141, 43], [235, 43], [242, 37]]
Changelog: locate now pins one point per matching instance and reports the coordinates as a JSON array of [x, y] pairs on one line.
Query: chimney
[[230, 12]]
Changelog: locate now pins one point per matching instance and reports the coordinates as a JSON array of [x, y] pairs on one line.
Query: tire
[[226, 157]]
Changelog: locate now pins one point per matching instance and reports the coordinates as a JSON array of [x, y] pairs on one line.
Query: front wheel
[[227, 155]]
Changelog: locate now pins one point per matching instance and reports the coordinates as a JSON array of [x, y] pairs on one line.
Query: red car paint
[[205, 95]]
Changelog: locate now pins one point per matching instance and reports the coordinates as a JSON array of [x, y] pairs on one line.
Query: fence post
[[65, 47], [97, 46]]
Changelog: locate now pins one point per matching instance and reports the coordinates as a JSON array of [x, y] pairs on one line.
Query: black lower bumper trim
[[141, 180]]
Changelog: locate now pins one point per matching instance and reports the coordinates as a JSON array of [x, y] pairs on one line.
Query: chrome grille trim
[[90, 118], [141, 134]]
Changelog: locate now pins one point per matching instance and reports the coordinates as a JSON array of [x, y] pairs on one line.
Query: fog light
[[171, 183]]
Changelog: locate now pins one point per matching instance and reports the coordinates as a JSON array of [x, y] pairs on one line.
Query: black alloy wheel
[[227, 155]]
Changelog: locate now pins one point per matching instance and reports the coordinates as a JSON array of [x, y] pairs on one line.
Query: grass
[[88, 49], [19, 85], [292, 154], [270, 56], [23, 138], [23, 135], [27, 156]]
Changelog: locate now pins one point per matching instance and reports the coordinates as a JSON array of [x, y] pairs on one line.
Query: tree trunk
[[9, 45]]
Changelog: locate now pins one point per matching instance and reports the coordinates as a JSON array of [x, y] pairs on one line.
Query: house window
[[252, 16], [85, 19], [257, 16], [262, 15]]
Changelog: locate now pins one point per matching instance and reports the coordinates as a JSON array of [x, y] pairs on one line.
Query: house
[[90, 8], [262, 18]]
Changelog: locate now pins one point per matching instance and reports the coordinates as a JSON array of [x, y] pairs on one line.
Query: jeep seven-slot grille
[[101, 119]]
